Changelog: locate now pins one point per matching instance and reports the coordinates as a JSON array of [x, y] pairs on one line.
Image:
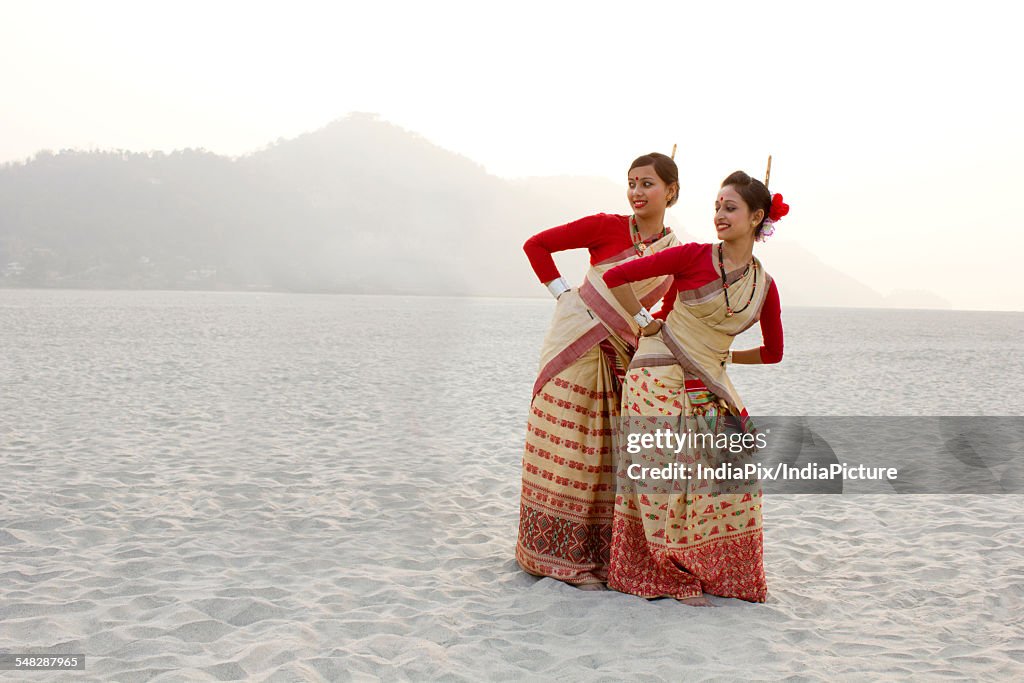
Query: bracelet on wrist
[[643, 318], [558, 287]]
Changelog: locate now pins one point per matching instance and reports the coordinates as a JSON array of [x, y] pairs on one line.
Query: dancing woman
[[687, 543], [568, 470]]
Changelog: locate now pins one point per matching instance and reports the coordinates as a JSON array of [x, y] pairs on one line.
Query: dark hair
[[663, 166], [754, 193]]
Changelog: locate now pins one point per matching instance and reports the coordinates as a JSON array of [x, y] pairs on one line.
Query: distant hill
[[805, 281], [359, 206]]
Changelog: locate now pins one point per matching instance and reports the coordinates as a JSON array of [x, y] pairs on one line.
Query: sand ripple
[[232, 487]]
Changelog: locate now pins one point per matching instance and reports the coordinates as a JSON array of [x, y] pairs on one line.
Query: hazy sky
[[895, 126]]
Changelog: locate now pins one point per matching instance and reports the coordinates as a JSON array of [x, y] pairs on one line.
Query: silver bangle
[[558, 287], [643, 318]]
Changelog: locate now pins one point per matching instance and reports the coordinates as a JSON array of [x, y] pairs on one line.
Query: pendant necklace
[[725, 285], [638, 242]]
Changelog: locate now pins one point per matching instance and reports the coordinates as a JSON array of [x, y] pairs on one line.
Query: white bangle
[[643, 318], [558, 287], [728, 357]]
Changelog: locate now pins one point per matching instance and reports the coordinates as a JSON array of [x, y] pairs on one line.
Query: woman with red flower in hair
[[695, 540]]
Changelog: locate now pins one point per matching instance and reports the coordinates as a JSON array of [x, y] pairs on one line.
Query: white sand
[[205, 488], [288, 570]]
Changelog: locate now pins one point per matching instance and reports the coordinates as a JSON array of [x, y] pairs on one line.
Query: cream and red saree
[[568, 468], [690, 538]]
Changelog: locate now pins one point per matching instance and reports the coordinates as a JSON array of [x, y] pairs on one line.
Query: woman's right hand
[[652, 329]]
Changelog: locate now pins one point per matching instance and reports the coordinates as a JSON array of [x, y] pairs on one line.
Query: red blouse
[[693, 266], [604, 234]]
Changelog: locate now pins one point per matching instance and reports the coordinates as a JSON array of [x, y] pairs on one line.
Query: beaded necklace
[[638, 242], [725, 285]]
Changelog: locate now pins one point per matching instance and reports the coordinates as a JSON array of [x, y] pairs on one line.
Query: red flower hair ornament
[[776, 212]]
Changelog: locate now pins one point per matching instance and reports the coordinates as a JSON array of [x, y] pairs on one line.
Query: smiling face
[[733, 219], [648, 194]]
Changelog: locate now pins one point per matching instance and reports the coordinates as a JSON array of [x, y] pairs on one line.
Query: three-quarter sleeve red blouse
[[604, 235], [692, 266]]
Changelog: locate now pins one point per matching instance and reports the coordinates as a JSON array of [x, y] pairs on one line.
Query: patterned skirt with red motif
[[683, 543], [565, 523]]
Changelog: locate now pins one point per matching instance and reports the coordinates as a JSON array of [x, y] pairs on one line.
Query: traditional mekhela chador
[[694, 539], [568, 470]]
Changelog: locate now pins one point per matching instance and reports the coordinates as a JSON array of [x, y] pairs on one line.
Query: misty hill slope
[[360, 205]]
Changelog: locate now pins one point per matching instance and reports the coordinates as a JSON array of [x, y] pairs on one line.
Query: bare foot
[[699, 601], [592, 587]]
